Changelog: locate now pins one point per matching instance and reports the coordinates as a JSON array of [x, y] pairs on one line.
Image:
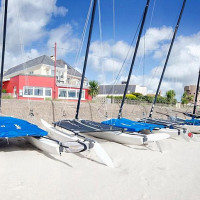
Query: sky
[[33, 27]]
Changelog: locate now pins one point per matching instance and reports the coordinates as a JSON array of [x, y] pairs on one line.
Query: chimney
[[123, 82], [52, 57]]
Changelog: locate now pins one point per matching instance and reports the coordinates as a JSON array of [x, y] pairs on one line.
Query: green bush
[[48, 99], [131, 97], [146, 98], [137, 94], [4, 91], [7, 97]]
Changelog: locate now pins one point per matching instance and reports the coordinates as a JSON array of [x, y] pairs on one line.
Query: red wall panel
[[36, 81]]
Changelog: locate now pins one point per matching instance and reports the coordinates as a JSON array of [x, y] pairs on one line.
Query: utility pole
[[54, 90]]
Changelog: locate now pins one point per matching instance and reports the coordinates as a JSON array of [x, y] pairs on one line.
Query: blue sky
[[39, 24]]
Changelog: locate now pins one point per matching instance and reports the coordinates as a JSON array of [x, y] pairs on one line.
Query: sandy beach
[[140, 173]]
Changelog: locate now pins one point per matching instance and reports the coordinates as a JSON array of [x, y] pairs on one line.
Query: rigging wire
[[2, 18], [130, 48], [23, 56], [101, 44], [77, 58], [150, 82], [72, 81], [112, 53], [154, 4], [126, 57]]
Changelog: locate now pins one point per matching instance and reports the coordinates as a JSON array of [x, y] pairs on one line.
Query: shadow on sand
[[20, 144]]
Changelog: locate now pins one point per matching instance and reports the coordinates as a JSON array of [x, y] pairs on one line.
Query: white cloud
[[27, 20], [107, 57], [121, 48], [183, 65], [184, 60], [182, 68], [27, 25], [154, 39], [113, 55], [63, 36]]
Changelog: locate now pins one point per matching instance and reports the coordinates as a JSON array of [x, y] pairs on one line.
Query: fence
[[133, 102]]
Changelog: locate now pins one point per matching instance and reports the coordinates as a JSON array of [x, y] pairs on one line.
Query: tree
[[93, 88], [185, 99], [170, 94]]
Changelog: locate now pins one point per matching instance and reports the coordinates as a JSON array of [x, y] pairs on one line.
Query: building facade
[[191, 90], [118, 90], [35, 80]]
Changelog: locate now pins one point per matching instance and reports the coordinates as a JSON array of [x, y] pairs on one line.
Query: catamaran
[[65, 127], [143, 126], [192, 124], [167, 124]]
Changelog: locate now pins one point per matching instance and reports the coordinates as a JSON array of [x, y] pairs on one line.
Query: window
[[48, 92], [28, 91], [38, 92], [82, 95], [72, 94], [62, 93]]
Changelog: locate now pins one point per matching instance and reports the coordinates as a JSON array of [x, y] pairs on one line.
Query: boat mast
[[166, 61], [133, 59], [86, 58], [3, 49], [196, 95]]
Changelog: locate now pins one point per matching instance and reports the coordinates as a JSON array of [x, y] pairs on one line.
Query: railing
[[71, 85]]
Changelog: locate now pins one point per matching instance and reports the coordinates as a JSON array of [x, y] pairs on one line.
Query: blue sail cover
[[130, 125], [13, 127], [192, 122]]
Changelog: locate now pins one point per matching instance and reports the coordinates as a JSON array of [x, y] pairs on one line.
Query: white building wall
[[141, 89]]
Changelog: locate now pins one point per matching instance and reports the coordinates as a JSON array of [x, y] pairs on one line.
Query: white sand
[[139, 173]]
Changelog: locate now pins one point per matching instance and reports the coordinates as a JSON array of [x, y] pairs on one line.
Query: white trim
[[36, 96]]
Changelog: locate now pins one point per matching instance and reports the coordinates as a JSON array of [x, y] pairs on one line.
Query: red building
[[35, 80]]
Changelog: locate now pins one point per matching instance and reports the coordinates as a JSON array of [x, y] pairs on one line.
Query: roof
[[115, 89], [31, 63], [70, 70], [42, 60]]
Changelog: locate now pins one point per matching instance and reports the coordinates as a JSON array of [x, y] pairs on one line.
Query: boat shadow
[[142, 147], [20, 144], [90, 159]]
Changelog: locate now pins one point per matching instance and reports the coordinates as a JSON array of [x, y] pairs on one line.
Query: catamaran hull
[[65, 137], [172, 132], [44, 144], [192, 128], [129, 138]]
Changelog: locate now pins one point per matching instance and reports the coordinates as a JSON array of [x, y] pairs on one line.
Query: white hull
[[44, 144], [130, 139], [172, 132], [66, 137], [192, 128]]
